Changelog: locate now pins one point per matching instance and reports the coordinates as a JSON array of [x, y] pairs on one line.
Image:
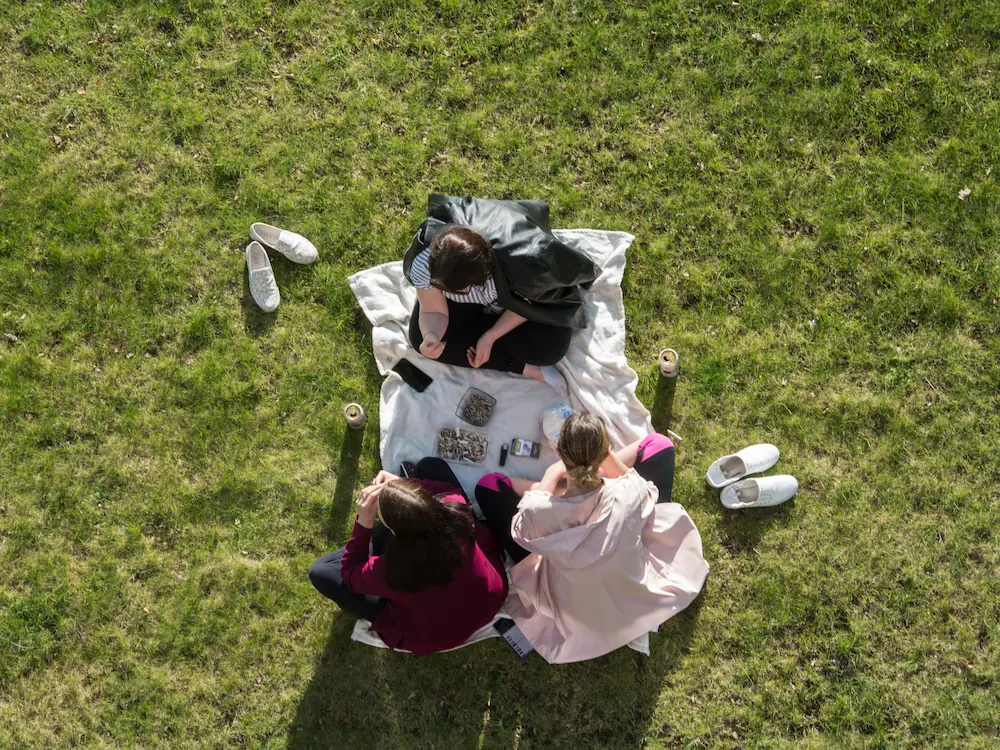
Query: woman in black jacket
[[495, 288]]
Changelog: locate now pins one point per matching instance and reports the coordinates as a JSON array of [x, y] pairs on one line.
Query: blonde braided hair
[[583, 445]]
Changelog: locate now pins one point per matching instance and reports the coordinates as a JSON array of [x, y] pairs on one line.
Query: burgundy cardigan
[[438, 617]]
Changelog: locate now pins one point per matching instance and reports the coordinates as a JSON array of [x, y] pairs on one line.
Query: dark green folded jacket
[[537, 276]]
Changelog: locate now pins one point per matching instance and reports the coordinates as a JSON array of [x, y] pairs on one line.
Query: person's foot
[[534, 372]]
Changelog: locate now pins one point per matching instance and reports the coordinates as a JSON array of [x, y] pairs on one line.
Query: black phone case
[[412, 375]]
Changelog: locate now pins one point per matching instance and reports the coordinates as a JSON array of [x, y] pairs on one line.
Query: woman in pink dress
[[602, 555]]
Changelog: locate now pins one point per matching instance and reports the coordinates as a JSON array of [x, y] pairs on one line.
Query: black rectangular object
[[514, 637], [412, 375]]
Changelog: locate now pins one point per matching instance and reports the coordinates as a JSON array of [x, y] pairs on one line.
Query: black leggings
[[498, 501], [325, 572], [530, 343]]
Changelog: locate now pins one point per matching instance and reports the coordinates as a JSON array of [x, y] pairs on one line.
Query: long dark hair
[[460, 257], [430, 538]]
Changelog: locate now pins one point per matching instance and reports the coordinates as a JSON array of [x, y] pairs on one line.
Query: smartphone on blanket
[[412, 375]]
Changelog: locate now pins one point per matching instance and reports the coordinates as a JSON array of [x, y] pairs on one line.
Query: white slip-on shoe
[[293, 246], [760, 492], [751, 460], [263, 287]]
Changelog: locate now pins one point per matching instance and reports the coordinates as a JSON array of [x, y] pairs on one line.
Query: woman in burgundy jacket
[[435, 577]]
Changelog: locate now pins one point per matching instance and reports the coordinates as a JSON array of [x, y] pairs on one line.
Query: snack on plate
[[477, 410], [476, 407], [461, 445]]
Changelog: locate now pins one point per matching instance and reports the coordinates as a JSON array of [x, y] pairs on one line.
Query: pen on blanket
[[503, 454]]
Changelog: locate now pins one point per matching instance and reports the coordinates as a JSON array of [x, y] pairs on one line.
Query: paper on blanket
[[597, 377]]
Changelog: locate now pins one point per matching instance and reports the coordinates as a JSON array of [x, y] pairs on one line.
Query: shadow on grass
[[662, 413], [352, 444], [483, 695], [347, 478], [256, 321], [740, 531]]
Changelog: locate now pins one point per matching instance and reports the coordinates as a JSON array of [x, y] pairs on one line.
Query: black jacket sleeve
[[538, 277]]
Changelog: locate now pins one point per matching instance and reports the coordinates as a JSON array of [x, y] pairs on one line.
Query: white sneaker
[[263, 287], [760, 492], [752, 460], [293, 246]]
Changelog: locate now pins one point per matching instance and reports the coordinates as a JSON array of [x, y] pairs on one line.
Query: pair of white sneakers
[[728, 475], [295, 247]]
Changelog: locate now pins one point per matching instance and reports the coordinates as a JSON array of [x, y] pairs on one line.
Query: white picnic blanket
[[595, 375], [362, 633]]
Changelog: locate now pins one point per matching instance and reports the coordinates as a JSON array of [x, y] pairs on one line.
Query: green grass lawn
[[813, 189]]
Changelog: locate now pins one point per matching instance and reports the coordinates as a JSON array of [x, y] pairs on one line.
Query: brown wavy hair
[[583, 445], [430, 538], [460, 257]]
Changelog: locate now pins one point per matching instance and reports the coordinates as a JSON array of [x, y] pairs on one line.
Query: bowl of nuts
[[454, 444], [476, 407]]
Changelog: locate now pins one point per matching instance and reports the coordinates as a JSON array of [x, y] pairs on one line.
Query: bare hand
[[480, 353], [553, 477], [556, 471], [367, 505], [382, 477], [432, 346]]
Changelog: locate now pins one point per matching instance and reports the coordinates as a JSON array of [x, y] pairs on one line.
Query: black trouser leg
[[325, 576], [655, 463], [437, 470], [466, 323], [498, 501], [536, 343]]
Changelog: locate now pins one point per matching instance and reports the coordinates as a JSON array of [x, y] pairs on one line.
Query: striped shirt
[[420, 277]]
